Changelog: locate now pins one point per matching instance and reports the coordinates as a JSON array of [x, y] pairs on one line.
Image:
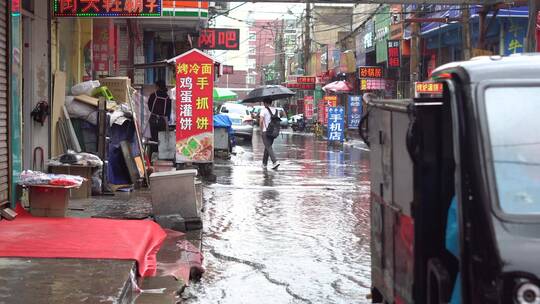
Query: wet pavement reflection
[[296, 235]]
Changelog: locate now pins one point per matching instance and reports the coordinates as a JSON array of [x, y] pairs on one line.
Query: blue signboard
[[355, 111], [514, 38], [336, 123]]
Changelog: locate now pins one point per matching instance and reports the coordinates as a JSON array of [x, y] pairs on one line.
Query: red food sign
[[304, 79], [308, 107], [219, 39], [301, 86], [194, 107], [107, 8], [394, 54], [429, 87], [370, 72], [324, 104]]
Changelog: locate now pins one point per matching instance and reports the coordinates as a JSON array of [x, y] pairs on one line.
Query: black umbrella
[[274, 92]]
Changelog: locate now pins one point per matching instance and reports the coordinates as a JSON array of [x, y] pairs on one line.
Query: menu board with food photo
[[194, 104]]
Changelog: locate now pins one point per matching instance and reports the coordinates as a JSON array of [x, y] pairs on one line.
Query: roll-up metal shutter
[[4, 149]]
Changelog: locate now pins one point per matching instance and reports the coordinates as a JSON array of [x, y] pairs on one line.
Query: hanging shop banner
[[111, 8], [219, 39], [336, 123], [370, 72], [394, 54], [372, 84], [514, 38], [369, 37], [328, 101], [355, 112], [306, 79], [428, 87], [308, 107], [194, 107]]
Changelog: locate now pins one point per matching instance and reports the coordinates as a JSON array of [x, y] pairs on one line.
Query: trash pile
[[98, 126], [36, 178]]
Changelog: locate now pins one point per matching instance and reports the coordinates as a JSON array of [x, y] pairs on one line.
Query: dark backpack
[[273, 128]]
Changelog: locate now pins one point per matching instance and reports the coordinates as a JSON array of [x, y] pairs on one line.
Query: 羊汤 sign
[[394, 54], [301, 86], [107, 8], [194, 107], [370, 72], [219, 39], [306, 79], [428, 87]]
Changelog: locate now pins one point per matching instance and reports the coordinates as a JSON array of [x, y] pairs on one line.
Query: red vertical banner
[[308, 107], [321, 111], [194, 107], [538, 31], [328, 101]]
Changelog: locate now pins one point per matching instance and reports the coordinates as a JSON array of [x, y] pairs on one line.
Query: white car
[[242, 123]]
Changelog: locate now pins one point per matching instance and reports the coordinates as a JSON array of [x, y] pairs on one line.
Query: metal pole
[[530, 42], [415, 56], [466, 33], [307, 39]]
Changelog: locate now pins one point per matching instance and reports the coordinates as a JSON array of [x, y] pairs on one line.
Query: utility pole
[[530, 42], [307, 39], [467, 52], [281, 52]]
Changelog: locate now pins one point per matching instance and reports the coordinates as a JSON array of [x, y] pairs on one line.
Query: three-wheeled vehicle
[[455, 186]]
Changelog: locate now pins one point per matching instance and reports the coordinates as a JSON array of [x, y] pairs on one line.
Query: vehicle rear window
[[513, 116]]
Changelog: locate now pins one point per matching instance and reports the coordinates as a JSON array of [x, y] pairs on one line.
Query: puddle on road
[[296, 235]]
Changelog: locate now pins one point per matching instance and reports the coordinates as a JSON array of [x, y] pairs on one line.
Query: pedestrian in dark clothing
[[160, 106], [266, 117]]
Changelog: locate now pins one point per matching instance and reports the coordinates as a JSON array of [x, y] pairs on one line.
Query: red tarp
[[87, 238]]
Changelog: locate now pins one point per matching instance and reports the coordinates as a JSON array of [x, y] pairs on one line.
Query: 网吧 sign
[[219, 39], [194, 107], [394, 54], [370, 72], [110, 8], [336, 122], [429, 87], [355, 111]]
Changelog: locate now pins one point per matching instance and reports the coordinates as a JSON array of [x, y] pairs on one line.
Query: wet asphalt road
[[296, 235]]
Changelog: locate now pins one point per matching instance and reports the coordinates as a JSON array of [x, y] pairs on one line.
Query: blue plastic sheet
[[223, 121]]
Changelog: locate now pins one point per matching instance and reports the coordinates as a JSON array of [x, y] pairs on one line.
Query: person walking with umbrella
[[267, 125]]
